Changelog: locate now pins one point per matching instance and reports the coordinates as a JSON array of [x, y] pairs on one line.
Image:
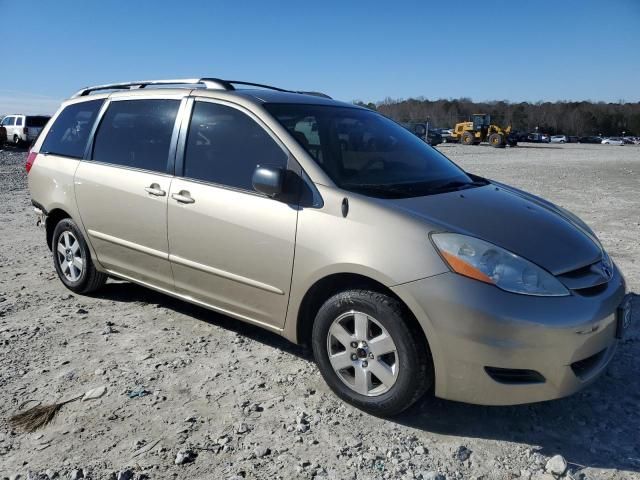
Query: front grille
[[582, 368], [514, 376]]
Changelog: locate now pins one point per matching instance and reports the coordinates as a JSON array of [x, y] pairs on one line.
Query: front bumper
[[471, 325]]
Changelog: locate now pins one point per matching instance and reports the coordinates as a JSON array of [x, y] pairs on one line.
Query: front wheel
[[72, 259], [370, 353], [468, 138]]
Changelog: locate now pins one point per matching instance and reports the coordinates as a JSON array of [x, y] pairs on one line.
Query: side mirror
[[268, 179]]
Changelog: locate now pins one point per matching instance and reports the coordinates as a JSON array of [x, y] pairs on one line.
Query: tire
[[467, 138], [72, 259], [496, 140], [406, 372], [16, 140]]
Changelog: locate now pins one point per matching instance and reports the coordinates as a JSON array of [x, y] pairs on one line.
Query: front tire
[[467, 138], [370, 353], [72, 259]]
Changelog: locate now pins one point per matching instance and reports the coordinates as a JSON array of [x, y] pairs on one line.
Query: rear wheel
[[72, 259], [496, 140], [369, 353], [467, 138], [16, 140]]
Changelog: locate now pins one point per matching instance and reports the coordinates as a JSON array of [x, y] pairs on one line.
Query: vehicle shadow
[[11, 147], [121, 291], [597, 427], [544, 146]]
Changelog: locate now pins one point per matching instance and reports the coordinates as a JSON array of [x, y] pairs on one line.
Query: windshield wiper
[[458, 185], [380, 188]]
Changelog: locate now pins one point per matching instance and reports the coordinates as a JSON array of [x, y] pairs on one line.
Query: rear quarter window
[[69, 133]]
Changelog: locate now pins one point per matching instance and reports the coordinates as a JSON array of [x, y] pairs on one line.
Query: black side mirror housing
[[268, 179]]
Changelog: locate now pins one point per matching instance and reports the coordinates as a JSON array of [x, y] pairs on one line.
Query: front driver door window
[[229, 246]]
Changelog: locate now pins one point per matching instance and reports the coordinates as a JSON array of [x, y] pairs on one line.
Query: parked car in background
[[538, 138], [519, 136], [419, 129], [629, 140], [23, 128], [559, 139], [446, 134], [572, 139], [590, 139], [612, 141]]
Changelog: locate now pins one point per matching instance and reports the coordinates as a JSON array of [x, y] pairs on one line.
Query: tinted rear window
[[136, 133], [37, 121], [69, 133]]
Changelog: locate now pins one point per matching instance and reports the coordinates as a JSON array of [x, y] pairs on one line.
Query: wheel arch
[[326, 287], [53, 218]]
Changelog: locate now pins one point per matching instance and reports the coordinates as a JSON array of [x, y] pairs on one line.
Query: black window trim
[[170, 165], [292, 164]]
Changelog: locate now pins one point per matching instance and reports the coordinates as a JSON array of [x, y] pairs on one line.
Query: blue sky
[[369, 50]]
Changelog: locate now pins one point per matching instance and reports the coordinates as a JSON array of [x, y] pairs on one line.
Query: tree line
[[562, 117]]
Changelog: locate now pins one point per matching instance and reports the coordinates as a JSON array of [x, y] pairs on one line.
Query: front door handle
[[154, 189], [182, 196]]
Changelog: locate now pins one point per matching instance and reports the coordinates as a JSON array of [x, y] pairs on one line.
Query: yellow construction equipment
[[480, 129]]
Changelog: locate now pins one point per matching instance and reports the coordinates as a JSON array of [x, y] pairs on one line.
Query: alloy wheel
[[69, 256], [362, 353]]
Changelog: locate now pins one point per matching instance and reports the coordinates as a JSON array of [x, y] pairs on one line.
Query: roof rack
[[211, 83]]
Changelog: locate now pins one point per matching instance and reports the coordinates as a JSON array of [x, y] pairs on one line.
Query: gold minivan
[[333, 226]]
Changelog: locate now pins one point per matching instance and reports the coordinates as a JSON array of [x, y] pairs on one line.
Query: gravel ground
[[192, 394]]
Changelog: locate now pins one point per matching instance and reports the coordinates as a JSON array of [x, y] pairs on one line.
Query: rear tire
[[72, 259], [369, 352], [16, 140]]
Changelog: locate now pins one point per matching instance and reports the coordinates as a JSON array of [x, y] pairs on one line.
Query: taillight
[[25, 130], [31, 159]]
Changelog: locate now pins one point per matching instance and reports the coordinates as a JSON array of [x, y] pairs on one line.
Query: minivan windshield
[[365, 152]]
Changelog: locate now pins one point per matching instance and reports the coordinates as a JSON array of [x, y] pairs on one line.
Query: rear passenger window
[[19, 121], [136, 133], [224, 146], [69, 133]]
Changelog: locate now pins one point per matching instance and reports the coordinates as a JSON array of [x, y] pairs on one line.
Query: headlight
[[488, 263]]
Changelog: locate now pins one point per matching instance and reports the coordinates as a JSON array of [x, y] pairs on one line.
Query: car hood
[[509, 218]]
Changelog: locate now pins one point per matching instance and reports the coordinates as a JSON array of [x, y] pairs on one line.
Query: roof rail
[[212, 83]]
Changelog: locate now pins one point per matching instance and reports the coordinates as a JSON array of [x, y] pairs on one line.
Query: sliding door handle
[[182, 196], [154, 189]]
